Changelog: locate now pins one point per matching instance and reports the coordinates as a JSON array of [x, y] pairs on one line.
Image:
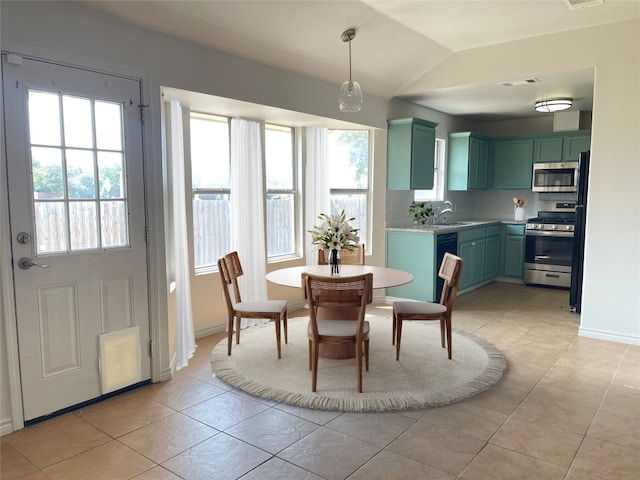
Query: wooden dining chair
[[347, 257], [338, 293], [276, 310], [450, 270]]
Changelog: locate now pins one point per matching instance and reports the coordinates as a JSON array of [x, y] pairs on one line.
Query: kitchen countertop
[[454, 226]]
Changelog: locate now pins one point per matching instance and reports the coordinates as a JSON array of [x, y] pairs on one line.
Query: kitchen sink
[[454, 223]]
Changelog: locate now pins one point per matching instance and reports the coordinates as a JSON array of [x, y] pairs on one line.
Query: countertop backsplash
[[472, 205]]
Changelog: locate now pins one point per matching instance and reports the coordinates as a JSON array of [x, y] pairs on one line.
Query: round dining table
[[383, 277]]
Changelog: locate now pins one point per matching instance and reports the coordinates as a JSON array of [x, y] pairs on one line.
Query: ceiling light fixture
[[350, 92], [553, 105]]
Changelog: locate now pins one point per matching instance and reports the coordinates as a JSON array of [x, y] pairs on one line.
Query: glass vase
[[334, 262]]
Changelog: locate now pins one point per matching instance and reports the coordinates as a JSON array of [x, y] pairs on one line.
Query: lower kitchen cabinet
[[513, 250], [414, 253], [492, 252], [472, 250]]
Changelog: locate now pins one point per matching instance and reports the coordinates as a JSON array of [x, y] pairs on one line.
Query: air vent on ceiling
[[576, 4], [517, 83]]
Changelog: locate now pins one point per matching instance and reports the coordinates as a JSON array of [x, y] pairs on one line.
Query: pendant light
[[553, 105], [350, 92]]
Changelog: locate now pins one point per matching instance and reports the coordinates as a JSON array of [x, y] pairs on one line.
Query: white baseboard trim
[[6, 426], [608, 336]]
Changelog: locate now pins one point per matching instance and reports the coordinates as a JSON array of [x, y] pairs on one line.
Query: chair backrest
[[338, 292], [230, 269], [450, 271], [347, 257]]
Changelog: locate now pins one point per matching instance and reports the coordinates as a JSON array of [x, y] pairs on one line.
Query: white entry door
[[76, 205]]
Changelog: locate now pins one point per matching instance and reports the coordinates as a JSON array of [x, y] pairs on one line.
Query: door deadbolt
[[23, 238]]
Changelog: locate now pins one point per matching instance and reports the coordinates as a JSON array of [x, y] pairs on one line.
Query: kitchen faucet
[[449, 209]]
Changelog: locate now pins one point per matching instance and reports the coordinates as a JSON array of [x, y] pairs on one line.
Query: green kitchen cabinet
[[513, 256], [512, 163], [492, 252], [468, 162], [547, 148], [471, 247], [561, 147], [574, 145], [411, 144], [413, 252]]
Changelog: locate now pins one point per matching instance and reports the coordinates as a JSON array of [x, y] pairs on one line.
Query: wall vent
[[577, 4], [517, 83]]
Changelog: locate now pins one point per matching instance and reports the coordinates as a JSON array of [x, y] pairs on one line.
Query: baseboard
[[608, 336], [6, 426]]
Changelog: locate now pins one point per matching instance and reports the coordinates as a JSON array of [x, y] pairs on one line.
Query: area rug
[[423, 377]]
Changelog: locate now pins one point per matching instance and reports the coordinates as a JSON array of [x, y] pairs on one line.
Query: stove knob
[[540, 226], [568, 227], [554, 227]]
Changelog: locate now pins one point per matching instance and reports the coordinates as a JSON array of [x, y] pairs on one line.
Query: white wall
[[68, 32]]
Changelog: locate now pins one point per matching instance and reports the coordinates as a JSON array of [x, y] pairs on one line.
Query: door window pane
[[80, 174], [113, 224], [44, 118], [109, 126], [51, 227], [110, 166], [78, 124], [82, 225], [46, 170]]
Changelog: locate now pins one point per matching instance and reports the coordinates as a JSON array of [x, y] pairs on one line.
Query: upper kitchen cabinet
[[411, 144], [468, 161], [512, 162], [561, 147]]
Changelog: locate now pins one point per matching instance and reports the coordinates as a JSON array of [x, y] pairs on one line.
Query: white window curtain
[[317, 188], [247, 210], [185, 338]]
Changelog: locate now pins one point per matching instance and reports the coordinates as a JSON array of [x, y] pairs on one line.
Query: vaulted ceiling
[[397, 42]]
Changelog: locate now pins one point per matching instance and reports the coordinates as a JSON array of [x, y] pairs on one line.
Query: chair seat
[[339, 328], [418, 308], [269, 306]]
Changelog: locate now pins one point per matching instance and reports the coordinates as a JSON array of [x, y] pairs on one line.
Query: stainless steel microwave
[[555, 177]]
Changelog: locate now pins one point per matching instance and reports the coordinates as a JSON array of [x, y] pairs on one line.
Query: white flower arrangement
[[335, 232]]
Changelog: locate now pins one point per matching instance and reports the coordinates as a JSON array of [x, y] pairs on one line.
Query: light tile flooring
[[566, 408]]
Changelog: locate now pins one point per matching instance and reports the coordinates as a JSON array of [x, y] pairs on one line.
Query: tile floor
[[567, 408]]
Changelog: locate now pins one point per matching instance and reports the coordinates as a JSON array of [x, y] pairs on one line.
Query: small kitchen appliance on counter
[[549, 240]]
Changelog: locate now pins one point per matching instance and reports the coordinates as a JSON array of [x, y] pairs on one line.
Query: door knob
[[25, 263]]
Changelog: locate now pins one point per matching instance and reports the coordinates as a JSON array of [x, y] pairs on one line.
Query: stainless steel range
[[549, 244]]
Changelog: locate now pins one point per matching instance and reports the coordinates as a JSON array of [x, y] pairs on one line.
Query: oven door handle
[[548, 233]]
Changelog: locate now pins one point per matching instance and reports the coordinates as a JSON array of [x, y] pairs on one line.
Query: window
[[437, 192], [78, 173], [280, 189], [210, 164], [349, 159]]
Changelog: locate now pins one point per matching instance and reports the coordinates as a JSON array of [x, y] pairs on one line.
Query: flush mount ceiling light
[[350, 92], [553, 105]]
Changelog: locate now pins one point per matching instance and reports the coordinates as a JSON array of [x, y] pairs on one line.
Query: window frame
[[367, 239], [210, 268], [294, 192]]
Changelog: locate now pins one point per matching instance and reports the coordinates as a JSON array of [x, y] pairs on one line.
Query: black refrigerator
[[575, 293]]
